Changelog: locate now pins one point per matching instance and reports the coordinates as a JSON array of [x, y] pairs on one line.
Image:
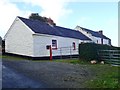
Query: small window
[[74, 46], [54, 44], [97, 41]]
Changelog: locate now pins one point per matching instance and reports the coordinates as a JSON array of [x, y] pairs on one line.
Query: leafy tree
[[36, 16]]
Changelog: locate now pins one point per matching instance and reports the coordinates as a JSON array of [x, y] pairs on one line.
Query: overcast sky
[[92, 14]]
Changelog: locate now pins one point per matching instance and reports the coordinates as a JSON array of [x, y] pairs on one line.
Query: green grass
[[12, 57], [72, 61], [106, 75]]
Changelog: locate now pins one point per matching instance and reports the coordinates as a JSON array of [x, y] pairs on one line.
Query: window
[[54, 44], [101, 40], [97, 41], [74, 47]]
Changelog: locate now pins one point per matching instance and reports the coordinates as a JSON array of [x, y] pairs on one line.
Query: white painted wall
[[18, 39], [96, 40], [106, 41], [39, 45], [64, 45]]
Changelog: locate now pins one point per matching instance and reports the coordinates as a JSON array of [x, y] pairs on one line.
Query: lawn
[[13, 57], [106, 75]]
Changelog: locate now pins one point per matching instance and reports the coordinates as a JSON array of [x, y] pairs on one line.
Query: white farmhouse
[[36, 39], [96, 37]]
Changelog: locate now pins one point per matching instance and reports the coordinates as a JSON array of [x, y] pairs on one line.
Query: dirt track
[[53, 74]]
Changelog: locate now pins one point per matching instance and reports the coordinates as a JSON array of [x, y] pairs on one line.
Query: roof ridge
[[44, 28], [93, 32]]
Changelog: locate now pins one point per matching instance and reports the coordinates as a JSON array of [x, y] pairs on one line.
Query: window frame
[[54, 44]]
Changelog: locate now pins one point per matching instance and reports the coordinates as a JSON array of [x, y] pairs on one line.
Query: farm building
[[96, 37], [36, 39]]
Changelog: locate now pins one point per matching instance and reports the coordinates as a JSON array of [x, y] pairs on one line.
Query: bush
[[89, 51]]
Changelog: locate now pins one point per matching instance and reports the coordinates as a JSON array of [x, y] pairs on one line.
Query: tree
[[36, 16]]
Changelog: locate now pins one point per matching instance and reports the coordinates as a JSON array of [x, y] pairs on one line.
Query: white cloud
[[69, 0], [9, 11], [50, 8]]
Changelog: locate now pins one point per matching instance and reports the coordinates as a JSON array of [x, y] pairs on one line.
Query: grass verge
[[107, 76], [72, 61], [12, 57]]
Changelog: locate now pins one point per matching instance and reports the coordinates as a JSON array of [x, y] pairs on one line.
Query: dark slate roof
[[95, 33], [43, 28]]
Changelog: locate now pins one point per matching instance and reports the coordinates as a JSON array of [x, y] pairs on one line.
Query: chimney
[[50, 22], [100, 32]]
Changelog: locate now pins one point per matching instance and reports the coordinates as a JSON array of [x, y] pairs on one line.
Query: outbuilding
[[96, 36]]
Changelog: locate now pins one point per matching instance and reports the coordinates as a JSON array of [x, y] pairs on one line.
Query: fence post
[[110, 56], [50, 52]]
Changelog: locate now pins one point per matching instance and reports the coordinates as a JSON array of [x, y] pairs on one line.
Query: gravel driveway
[[53, 74], [13, 79]]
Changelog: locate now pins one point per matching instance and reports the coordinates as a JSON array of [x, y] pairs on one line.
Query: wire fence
[[110, 56], [66, 52]]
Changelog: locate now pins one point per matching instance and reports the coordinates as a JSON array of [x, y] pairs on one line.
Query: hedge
[[89, 51]]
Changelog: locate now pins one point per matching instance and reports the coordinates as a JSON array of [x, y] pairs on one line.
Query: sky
[[91, 14]]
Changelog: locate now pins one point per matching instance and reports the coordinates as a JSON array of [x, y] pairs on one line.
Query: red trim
[[50, 52], [54, 48]]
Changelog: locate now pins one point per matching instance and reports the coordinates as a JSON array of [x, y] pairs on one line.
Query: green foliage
[[105, 76], [89, 51], [67, 61], [36, 16]]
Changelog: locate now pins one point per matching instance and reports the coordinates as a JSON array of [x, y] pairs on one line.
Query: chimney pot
[[100, 32]]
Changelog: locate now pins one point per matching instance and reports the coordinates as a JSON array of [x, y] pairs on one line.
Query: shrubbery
[[89, 51]]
